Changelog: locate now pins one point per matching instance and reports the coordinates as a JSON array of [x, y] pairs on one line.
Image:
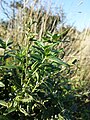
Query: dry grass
[[79, 49], [32, 22]]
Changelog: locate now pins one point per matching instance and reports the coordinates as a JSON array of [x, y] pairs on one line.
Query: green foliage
[[34, 82]]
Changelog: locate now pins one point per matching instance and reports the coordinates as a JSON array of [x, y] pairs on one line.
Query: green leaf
[[2, 44], [26, 100], [56, 36], [3, 103], [39, 44], [57, 60], [22, 110], [38, 49], [49, 46], [37, 75], [9, 66], [1, 84], [45, 39], [36, 56], [9, 110], [35, 65], [60, 117]]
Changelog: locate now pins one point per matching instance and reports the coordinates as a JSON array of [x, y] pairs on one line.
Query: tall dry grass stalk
[[31, 20]]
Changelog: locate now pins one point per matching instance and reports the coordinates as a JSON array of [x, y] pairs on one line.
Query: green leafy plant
[[34, 81], [31, 78]]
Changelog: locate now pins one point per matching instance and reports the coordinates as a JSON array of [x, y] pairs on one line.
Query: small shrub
[[32, 81]]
